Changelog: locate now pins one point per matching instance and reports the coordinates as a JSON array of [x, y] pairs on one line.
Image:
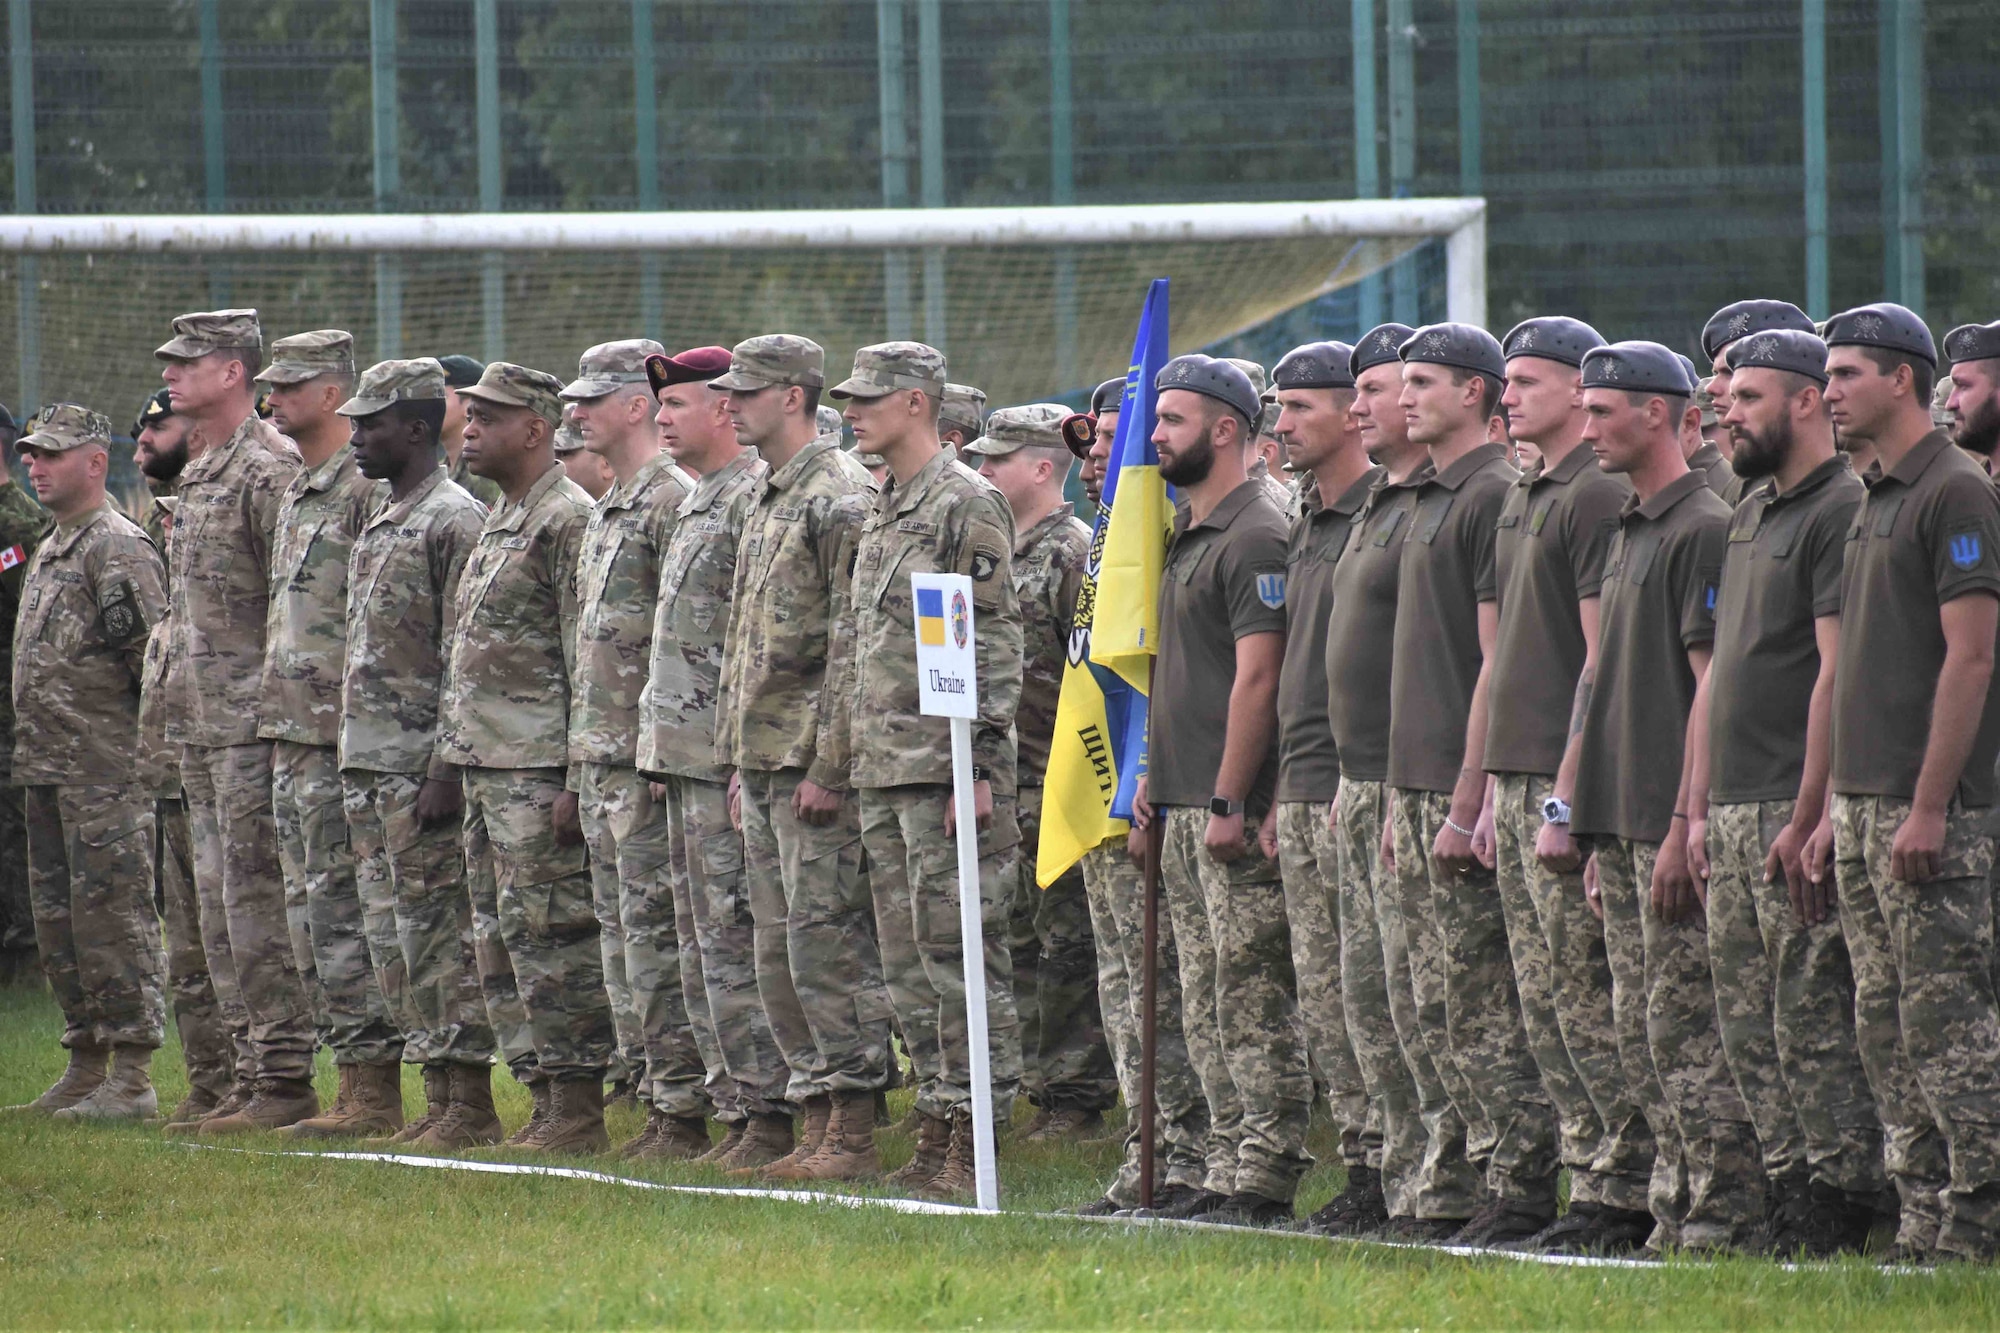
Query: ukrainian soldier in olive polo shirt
[[1554, 531], [1738, 320], [1916, 725], [1703, 454], [1315, 387], [1972, 389], [1761, 739], [1446, 622], [1212, 776], [1655, 627], [1377, 990]]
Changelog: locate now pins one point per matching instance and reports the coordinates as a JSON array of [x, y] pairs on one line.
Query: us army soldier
[[93, 590], [462, 372], [961, 415], [22, 522]]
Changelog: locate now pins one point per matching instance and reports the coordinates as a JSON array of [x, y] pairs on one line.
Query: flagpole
[[1149, 986]]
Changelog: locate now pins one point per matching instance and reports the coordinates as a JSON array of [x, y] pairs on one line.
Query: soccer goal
[[1026, 303]]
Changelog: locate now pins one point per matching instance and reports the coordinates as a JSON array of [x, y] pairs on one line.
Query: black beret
[[1108, 396], [1743, 318], [1461, 346], [1326, 365], [1212, 378], [158, 408], [460, 371], [1378, 345], [1780, 349], [1640, 367], [1973, 342], [1687, 368], [1886, 325], [1553, 338]]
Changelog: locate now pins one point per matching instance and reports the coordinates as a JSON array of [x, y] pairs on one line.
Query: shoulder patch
[[1271, 590], [1708, 595], [983, 565], [119, 616], [1966, 549]]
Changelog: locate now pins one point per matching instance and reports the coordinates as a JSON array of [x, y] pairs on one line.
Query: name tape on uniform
[[947, 679]]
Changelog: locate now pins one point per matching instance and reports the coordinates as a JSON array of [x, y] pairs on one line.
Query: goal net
[[1027, 304]]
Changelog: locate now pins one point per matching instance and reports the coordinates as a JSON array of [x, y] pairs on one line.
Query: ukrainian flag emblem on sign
[[930, 617]]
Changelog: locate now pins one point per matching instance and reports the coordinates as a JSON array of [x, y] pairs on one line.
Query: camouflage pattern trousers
[[1468, 1008], [632, 875], [1784, 995], [90, 875], [240, 886], [1064, 1056], [1376, 1001], [1309, 862], [420, 873], [719, 952], [913, 875], [547, 927], [1707, 1186], [1564, 980], [205, 1047], [1239, 1009], [17, 910], [1926, 1018], [362, 1011], [818, 967], [1116, 889]]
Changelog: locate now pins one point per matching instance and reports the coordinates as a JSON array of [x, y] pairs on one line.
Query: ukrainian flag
[[1099, 748], [930, 617]]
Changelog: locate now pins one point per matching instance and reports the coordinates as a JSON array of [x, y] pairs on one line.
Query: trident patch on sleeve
[[1966, 550], [1271, 590]]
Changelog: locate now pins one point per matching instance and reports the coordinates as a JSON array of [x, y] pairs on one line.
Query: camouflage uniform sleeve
[[130, 587], [449, 553], [839, 532], [566, 544], [985, 553]]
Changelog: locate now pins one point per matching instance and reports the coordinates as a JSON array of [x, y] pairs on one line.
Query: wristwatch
[[1222, 807], [1555, 810]]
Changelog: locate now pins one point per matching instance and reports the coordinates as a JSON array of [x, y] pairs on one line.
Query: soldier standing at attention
[[1762, 730], [676, 750], [1211, 777], [1554, 532], [219, 579], [610, 418], [504, 721], [1066, 1066], [934, 515], [22, 523], [588, 470], [1315, 388], [348, 938], [818, 968], [961, 415], [93, 590], [403, 803], [1972, 389], [1915, 728], [462, 372], [1736, 321], [1655, 628]]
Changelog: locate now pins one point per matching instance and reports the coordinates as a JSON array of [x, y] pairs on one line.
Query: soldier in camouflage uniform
[[94, 589], [403, 803], [22, 522], [961, 415], [588, 470], [818, 967], [935, 515], [219, 580], [504, 720], [462, 372], [631, 853], [1066, 1066]]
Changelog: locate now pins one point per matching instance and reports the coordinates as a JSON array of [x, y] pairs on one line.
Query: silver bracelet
[[1461, 832]]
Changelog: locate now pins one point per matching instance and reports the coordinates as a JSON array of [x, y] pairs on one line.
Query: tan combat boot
[[368, 1105], [575, 1123], [85, 1072], [933, 1137], [127, 1094], [197, 1105], [765, 1139], [668, 1138], [437, 1098], [469, 1120], [954, 1179], [1064, 1124], [274, 1103], [541, 1092], [847, 1150], [234, 1100], [732, 1134], [819, 1109]]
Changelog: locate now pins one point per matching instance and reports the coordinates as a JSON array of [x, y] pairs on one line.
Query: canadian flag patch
[[12, 556]]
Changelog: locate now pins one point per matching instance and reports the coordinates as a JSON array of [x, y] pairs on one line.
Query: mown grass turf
[[114, 1226]]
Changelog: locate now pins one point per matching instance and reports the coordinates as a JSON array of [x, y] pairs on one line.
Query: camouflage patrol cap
[[1942, 417], [963, 406], [568, 438], [884, 368], [306, 356], [826, 420], [1012, 429], [196, 335], [517, 386], [1705, 401], [609, 367], [60, 427], [1252, 371], [774, 358], [386, 382]]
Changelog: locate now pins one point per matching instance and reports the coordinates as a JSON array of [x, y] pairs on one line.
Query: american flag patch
[[12, 556]]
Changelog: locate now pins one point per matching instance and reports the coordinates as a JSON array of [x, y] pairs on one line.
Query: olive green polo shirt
[[1657, 602], [1549, 547], [1308, 760], [1780, 574], [1224, 580], [1928, 532], [1361, 630], [1716, 472], [1447, 571]]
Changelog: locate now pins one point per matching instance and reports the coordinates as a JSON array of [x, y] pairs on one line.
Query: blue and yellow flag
[[1099, 748], [930, 617]]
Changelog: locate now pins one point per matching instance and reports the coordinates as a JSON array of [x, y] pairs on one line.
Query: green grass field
[[103, 1227]]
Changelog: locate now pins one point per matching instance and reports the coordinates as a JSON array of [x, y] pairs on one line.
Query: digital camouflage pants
[[1065, 1056], [205, 1045], [17, 911], [1309, 863]]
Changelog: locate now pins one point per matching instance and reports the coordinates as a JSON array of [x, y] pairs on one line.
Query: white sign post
[[948, 686]]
